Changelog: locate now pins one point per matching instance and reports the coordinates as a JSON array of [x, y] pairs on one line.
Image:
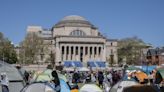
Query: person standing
[[4, 82], [100, 79], [56, 81]]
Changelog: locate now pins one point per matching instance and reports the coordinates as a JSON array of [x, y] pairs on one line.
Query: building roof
[[74, 21]]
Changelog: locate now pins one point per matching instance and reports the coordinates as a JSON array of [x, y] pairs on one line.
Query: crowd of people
[[97, 77]]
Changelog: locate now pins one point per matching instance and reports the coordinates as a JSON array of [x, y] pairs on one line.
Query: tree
[[7, 52], [32, 48], [130, 50]]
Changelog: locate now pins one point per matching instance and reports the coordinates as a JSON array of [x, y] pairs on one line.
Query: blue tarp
[[148, 69], [78, 64], [64, 86], [91, 64], [100, 63], [68, 64]]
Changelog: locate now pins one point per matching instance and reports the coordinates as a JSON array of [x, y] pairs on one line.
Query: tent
[[141, 76], [44, 87], [37, 87], [161, 71], [90, 88], [121, 85], [46, 76], [148, 69], [16, 81], [83, 69], [131, 68]]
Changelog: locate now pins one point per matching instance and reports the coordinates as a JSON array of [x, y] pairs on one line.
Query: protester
[[4, 82], [75, 77], [100, 79], [56, 81]]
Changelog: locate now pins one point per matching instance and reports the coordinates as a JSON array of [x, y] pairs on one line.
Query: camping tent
[[161, 71], [83, 69], [148, 69], [90, 88], [37, 87], [132, 68], [16, 81], [44, 87], [121, 85], [46, 76], [141, 76]]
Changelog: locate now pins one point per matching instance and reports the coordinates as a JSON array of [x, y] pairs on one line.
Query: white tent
[[90, 88], [83, 69], [38, 87], [121, 85]]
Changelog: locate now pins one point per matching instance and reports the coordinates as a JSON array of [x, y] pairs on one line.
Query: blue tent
[[148, 69]]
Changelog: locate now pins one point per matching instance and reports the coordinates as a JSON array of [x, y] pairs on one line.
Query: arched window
[[77, 33]]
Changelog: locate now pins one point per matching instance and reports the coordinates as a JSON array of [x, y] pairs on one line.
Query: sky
[[115, 19]]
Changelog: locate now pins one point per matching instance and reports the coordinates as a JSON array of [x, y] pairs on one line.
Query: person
[[4, 82], [109, 78], [75, 77], [55, 83], [93, 78], [100, 79]]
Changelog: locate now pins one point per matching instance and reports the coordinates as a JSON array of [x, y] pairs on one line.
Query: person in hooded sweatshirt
[[56, 81], [4, 82]]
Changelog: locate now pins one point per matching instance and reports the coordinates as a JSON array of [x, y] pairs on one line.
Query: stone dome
[[74, 21], [73, 17]]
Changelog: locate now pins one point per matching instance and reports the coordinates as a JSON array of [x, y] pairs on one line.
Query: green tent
[[161, 71], [131, 68]]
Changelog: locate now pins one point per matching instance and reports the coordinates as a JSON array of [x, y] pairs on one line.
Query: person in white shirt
[[109, 77], [4, 82]]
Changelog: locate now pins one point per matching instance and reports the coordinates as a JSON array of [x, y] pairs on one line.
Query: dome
[[73, 21], [73, 17]]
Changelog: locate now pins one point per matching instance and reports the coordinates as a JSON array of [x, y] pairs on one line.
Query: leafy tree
[[7, 52], [32, 48], [129, 50]]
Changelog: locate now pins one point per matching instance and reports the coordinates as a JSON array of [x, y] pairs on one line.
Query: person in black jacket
[[100, 79], [56, 81], [75, 77]]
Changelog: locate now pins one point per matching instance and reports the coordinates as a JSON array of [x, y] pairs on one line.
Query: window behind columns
[[86, 50], [62, 50], [95, 50], [67, 50], [72, 50], [91, 50], [76, 50], [99, 50]]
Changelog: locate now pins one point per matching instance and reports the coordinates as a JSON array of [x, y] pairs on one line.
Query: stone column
[[88, 55], [93, 53], [83, 53], [104, 53], [74, 53], [58, 57], [69, 54], [101, 53], [78, 53], [97, 54]]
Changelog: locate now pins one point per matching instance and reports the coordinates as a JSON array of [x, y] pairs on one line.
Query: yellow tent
[[141, 76]]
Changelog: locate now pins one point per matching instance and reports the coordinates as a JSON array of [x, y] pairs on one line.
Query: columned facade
[[76, 39]]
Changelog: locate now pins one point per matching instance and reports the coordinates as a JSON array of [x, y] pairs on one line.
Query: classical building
[[75, 39]]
